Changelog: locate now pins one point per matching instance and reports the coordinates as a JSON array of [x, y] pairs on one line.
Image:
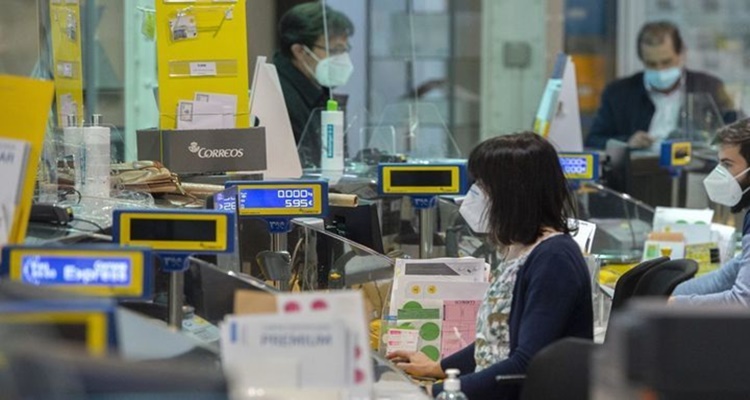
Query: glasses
[[334, 51]]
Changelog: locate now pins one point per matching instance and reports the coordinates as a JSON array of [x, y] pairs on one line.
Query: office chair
[[625, 287], [663, 278], [558, 371]]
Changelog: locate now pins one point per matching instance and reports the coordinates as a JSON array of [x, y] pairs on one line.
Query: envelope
[[199, 115]]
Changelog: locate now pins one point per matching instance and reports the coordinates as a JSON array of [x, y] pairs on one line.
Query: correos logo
[[204, 152]]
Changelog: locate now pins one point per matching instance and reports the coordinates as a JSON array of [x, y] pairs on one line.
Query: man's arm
[[713, 282], [738, 293]]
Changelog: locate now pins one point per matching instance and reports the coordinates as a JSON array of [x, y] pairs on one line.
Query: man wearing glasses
[[309, 68]]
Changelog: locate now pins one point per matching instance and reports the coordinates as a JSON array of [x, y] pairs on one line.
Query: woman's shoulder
[[561, 249]]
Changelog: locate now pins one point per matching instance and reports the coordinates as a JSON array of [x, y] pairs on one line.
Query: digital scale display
[[102, 272], [178, 231], [422, 180], [308, 199], [580, 166], [226, 200]]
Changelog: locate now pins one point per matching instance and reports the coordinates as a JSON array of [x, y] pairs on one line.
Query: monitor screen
[[226, 199], [416, 178], [143, 229], [76, 270], [277, 198]]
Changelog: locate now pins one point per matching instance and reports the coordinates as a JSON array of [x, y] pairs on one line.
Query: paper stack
[[13, 159], [207, 111], [437, 301]]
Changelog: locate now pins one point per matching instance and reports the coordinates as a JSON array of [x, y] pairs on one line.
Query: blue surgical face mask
[[663, 79]]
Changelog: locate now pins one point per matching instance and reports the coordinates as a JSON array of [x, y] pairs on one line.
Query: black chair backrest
[[663, 278], [560, 371], [628, 281]]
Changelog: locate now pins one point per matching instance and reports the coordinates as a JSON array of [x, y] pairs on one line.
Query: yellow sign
[[96, 324], [681, 153], [201, 47], [65, 36], [416, 179], [24, 110], [179, 232]]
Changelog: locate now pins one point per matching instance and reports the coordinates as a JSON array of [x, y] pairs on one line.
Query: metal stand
[[279, 245], [426, 231], [675, 190], [176, 301], [176, 265]]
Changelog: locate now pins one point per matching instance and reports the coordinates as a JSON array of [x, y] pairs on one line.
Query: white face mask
[[332, 71], [475, 209], [723, 188]]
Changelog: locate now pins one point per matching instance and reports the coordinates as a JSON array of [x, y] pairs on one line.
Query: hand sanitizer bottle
[[452, 387]]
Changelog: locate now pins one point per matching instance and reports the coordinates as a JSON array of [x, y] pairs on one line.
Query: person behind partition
[[309, 68], [645, 108], [728, 184], [541, 291]]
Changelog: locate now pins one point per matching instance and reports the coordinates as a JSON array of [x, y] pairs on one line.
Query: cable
[[99, 227]]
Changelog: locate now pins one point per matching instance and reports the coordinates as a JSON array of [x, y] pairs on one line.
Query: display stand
[[423, 183], [674, 157], [65, 35], [175, 235], [277, 203]]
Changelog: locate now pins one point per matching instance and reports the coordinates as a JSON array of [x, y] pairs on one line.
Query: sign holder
[[175, 235], [423, 183], [276, 203], [674, 156]]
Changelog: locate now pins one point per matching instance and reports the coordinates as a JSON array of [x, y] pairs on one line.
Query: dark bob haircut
[[303, 24], [525, 185]]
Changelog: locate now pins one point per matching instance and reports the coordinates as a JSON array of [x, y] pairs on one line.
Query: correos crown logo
[[203, 152]]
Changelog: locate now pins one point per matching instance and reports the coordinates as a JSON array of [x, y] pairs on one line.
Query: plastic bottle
[[332, 138], [452, 387], [96, 144]]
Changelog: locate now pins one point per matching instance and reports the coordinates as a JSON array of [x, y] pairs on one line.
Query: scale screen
[[192, 232], [124, 273], [580, 166], [287, 200], [429, 180]]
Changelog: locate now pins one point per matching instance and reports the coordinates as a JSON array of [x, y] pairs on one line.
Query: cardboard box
[[205, 151]]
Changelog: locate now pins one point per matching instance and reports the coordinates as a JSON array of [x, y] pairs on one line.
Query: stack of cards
[[207, 111]]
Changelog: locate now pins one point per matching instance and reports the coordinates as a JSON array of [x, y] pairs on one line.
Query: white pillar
[[510, 94]]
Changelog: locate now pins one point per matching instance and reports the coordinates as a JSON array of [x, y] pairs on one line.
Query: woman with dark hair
[[309, 67], [541, 292]]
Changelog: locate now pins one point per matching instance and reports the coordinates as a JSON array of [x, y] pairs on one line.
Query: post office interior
[[430, 80]]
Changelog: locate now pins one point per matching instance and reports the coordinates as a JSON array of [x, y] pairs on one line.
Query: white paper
[[664, 216], [349, 307], [228, 103], [463, 269], [268, 106], [199, 115], [318, 348], [13, 159], [585, 235], [206, 68], [402, 339]]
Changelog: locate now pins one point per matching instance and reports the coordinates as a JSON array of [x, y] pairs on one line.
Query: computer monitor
[[211, 290], [360, 224]]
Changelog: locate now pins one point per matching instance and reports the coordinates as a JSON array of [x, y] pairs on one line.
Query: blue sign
[[65, 270], [277, 198]]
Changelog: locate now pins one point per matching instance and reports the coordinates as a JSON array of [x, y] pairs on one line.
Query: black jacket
[[627, 108], [302, 97]]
